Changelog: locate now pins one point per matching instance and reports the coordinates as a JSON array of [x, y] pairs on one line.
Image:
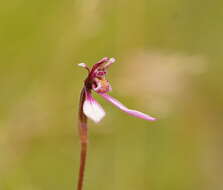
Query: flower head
[[97, 82]]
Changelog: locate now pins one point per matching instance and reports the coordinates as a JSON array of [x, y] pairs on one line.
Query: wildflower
[[97, 82], [90, 108]]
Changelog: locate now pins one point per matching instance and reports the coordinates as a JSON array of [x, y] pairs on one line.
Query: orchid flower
[[96, 82], [90, 108]]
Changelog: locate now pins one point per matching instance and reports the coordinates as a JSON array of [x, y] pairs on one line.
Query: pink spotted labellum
[[96, 81]]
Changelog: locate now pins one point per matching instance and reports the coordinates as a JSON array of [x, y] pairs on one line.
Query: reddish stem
[[83, 132]]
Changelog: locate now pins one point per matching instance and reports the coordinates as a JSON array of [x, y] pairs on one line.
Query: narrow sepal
[[125, 109]]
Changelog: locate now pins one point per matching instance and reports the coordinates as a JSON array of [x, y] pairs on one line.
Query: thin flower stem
[[83, 132], [83, 156]]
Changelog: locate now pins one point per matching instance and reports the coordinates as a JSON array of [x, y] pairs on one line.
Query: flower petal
[[110, 61], [99, 63], [84, 65], [125, 109], [93, 109]]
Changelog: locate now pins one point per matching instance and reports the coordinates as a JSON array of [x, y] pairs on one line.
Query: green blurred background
[[169, 64]]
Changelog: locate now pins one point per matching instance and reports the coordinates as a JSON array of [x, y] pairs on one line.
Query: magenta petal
[[125, 109], [95, 66]]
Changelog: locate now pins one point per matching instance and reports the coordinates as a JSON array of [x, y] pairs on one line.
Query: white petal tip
[[112, 60], [152, 119], [82, 65]]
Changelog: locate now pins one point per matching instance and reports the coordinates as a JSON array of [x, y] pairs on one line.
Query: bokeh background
[[169, 64]]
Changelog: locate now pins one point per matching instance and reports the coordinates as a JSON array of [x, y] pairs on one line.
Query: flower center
[[101, 86]]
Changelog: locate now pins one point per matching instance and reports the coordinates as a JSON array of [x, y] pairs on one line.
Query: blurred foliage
[[169, 64]]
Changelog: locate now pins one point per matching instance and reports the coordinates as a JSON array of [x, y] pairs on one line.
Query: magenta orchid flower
[[96, 81], [90, 108]]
